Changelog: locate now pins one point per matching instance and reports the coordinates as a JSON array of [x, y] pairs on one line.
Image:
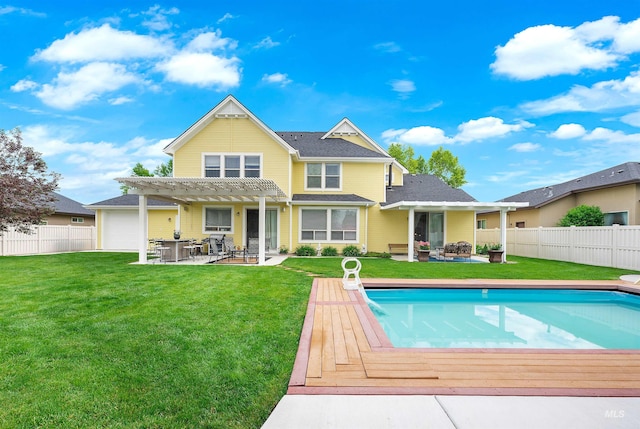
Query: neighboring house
[[69, 212], [615, 190], [119, 225], [234, 175]]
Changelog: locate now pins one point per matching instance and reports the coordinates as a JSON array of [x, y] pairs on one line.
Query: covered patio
[[413, 206], [187, 191]]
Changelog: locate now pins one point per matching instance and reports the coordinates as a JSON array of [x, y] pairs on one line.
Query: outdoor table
[[176, 249]]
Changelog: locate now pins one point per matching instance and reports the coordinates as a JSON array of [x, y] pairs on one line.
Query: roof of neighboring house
[[64, 205], [130, 200], [311, 144], [622, 174], [331, 198], [425, 187]]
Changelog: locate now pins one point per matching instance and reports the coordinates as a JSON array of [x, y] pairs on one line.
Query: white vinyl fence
[[608, 246], [48, 239]]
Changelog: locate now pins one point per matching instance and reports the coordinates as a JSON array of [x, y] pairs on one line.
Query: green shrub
[[482, 250], [384, 255], [329, 251], [583, 216], [351, 251], [283, 250], [305, 251]]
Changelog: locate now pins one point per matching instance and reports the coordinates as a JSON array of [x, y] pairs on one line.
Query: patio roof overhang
[[453, 205], [187, 190]]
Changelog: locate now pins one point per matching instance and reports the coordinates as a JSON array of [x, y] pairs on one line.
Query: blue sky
[[524, 93]]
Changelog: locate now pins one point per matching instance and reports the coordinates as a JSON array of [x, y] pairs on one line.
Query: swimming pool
[[508, 318]]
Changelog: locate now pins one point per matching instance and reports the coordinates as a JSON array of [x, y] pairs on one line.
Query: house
[[69, 212], [234, 175], [615, 190]]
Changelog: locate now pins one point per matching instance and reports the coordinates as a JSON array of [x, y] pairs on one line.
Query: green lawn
[[89, 340]]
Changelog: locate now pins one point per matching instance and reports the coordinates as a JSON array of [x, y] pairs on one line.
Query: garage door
[[120, 230]]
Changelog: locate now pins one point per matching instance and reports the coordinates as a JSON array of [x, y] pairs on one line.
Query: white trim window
[[232, 165], [323, 175], [77, 220], [217, 219], [334, 225]]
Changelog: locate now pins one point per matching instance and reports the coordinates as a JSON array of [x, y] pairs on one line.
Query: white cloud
[[225, 17], [267, 43], [632, 119], [69, 90], [550, 50], [525, 147], [157, 20], [610, 136], [599, 97], [419, 136], [569, 131], [202, 69], [487, 127], [281, 79], [403, 87], [2, 67], [24, 85], [210, 41], [120, 100], [5, 10], [388, 47], [103, 44]]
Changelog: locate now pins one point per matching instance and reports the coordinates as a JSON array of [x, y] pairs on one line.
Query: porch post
[[261, 229], [410, 237], [142, 226], [503, 234]]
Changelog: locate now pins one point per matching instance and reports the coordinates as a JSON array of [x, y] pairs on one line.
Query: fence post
[[615, 230], [539, 240], [572, 242]]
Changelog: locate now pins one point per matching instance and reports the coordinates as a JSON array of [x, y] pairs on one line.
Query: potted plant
[[424, 249], [176, 234], [495, 253]]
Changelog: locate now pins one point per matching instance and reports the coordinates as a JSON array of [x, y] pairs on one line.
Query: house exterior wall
[[65, 219], [618, 199], [386, 226], [234, 135], [459, 226]]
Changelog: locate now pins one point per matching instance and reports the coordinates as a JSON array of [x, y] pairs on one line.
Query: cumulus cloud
[[569, 131], [202, 69], [103, 44], [550, 50], [281, 79], [525, 147], [632, 119], [599, 97], [24, 85], [157, 18], [488, 127], [267, 43], [69, 90], [419, 136], [610, 136], [210, 41]]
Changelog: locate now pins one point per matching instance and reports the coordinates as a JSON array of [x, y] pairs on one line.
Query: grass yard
[[88, 340]]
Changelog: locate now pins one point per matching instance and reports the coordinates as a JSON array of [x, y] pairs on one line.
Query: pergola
[[189, 190], [411, 207]]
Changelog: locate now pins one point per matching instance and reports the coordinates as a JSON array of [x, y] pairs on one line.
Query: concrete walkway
[[461, 412]]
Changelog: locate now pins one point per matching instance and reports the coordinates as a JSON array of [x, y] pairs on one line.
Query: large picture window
[[232, 165], [329, 225], [322, 175], [218, 219], [620, 218]]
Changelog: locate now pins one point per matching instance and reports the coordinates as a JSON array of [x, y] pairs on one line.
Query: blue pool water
[[508, 318]]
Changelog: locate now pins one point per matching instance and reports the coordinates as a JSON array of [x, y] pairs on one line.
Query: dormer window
[[322, 176], [232, 165]]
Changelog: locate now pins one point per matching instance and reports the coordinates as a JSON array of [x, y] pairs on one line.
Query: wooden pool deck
[[343, 350]]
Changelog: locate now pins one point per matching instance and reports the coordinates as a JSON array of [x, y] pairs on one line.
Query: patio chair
[[214, 253], [253, 249], [190, 248], [464, 250], [230, 247], [450, 251]]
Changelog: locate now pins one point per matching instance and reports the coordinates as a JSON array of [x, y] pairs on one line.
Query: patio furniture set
[[216, 247], [450, 251]]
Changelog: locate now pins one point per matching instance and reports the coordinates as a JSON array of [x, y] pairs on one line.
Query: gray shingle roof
[[131, 201], [330, 198], [628, 172], [425, 187], [64, 205], [311, 144]]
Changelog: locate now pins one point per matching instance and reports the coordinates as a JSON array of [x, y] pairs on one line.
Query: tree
[[583, 216], [26, 185], [446, 166], [404, 154], [138, 170]]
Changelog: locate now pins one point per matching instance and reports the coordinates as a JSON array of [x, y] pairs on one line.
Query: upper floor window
[[232, 165], [323, 175]]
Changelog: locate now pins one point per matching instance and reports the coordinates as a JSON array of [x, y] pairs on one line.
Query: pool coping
[[379, 342]]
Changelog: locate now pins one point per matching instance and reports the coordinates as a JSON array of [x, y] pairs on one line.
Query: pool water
[[508, 318]]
